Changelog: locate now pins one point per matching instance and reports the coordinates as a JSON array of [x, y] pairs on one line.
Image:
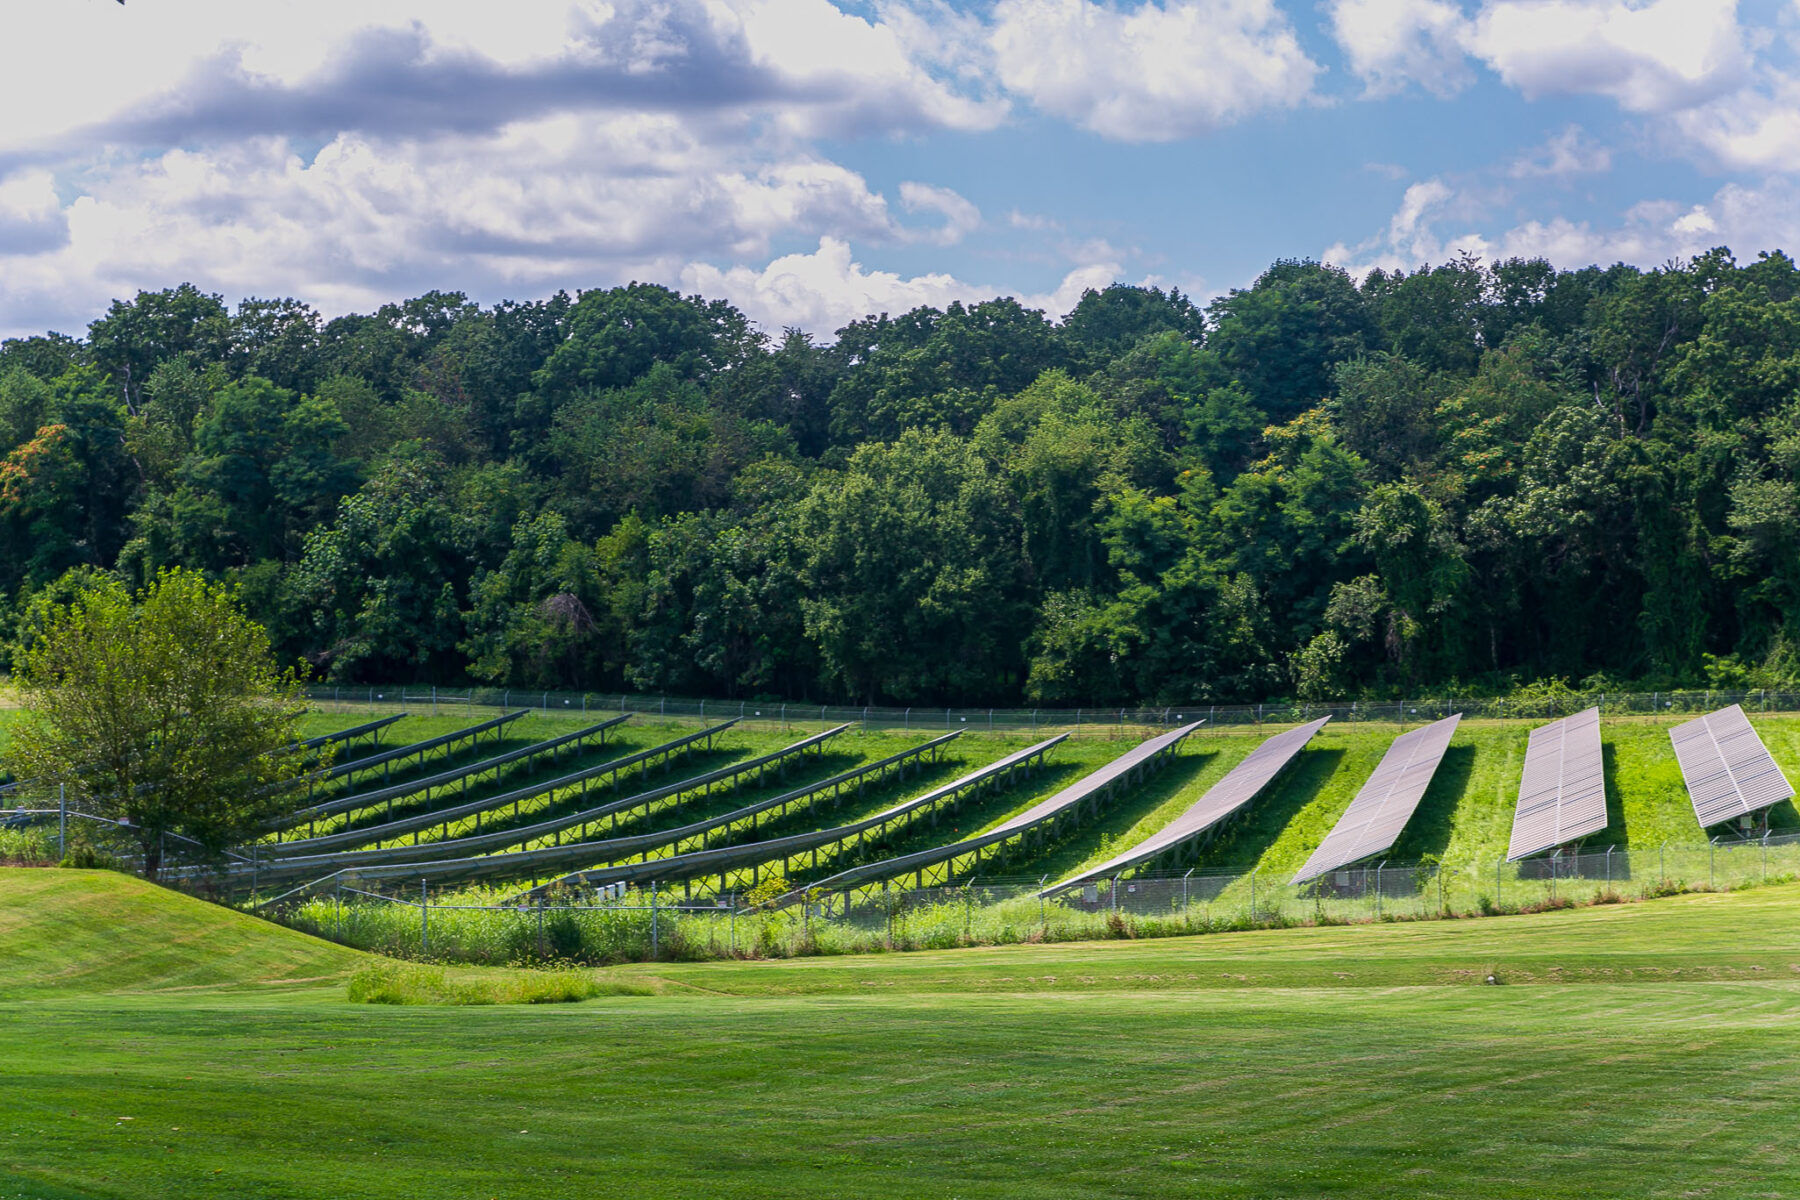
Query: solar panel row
[[1238, 788], [1562, 793], [1386, 802], [1726, 766]]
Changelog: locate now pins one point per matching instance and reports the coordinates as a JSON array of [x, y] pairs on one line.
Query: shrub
[[389, 982]]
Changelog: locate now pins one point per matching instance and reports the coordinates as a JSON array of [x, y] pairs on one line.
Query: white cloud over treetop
[[1150, 72]]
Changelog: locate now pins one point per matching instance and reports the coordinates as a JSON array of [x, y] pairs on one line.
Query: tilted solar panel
[[1386, 802], [1726, 766], [1238, 788], [1562, 792]]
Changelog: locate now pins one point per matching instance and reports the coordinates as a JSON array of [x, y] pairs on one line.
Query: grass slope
[[99, 932], [1310, 1063]]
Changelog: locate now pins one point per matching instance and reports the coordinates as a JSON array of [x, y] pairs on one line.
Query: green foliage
[[163, 710], [385, 981], [1479, 473]]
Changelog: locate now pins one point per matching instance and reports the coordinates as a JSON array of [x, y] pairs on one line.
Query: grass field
[[151, 1046]]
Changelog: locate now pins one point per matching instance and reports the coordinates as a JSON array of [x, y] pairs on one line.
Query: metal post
[[337, 913], [653, 930], [1712, 857], [1184, 894], [1609, 851], [1043, 909], [424, 920], [540, 907], [1378, 867], [1253, 896], [62, 822]]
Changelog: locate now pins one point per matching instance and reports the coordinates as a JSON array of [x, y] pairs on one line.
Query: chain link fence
[[618, 924], [1080, 722]]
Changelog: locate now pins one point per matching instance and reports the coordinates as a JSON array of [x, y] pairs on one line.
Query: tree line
[[1472, 476]]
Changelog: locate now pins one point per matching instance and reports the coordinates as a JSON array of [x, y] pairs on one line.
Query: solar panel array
[[1386, 802], [1726, 766], [1562, 793], [1238, 788]]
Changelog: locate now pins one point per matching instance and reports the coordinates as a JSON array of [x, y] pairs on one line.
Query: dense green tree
[[164, 710], [1284, 336], [912, 570]]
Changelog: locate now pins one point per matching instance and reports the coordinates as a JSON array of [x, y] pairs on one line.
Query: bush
[[87, 858], [389, 982]]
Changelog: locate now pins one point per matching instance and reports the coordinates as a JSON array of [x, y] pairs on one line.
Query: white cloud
[[1153, 72], [1393, 43], [826, 289], [528, 209], [1569, 153], [1747, 217], [1654, 57], [961, 218], [1756, 128]]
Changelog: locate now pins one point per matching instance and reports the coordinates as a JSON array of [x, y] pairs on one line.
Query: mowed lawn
[[1338, 1062]]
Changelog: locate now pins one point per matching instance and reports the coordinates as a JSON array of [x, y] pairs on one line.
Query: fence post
[[1253, 897], [1498, 866], [1043, 910], [424, 920], [1712, 857], [1184, 894], [1378, 867], [1115, 893], [540, 901], [653, 931], [1609, 851], [62, 821]]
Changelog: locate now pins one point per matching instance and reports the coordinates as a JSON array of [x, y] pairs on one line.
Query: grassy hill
[[68, 933], [151, 1045]]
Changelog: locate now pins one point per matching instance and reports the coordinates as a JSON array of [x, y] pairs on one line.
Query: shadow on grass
[[1249, 835], [1615, 832], [1429, 830]]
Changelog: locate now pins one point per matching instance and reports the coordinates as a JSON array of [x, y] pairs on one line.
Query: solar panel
[[1386, 802], [1562, 792], [1238, 788], [1726, 766]]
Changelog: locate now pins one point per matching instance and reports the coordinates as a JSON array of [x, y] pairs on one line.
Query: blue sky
[[815, 162]]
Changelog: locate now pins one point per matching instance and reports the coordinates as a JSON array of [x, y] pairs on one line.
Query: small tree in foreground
[[164, 709]]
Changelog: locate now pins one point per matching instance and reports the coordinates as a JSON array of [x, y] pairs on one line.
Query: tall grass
[[391, 982]]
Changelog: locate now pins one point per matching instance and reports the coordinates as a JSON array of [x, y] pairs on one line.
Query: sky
[[816, 162]]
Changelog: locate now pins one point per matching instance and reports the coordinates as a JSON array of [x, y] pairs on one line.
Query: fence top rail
[[705, 862], [344, 804], [1220, 715], [1038, 813]]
